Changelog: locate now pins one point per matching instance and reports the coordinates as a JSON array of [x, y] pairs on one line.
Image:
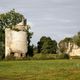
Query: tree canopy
[[10, 19], [76, 39], [47, 45]]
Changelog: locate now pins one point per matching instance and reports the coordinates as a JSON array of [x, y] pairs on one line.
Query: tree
[[47, 45], [76, 39], [40, 43], [30, 47], [10, 19]]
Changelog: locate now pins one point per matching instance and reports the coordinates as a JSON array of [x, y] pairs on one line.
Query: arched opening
[[21, 55], [12, 54]]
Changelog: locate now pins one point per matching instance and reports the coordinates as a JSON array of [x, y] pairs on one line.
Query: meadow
[[40, 70]]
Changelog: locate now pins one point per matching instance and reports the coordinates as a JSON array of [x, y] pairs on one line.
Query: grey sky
[[54, 18]]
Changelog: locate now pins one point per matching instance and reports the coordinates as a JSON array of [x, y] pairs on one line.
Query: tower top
[[23, 23]]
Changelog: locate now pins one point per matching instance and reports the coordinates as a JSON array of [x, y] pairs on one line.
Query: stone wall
[[16, 41], [73, 50]]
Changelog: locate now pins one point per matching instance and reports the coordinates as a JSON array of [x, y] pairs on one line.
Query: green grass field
[[40, 70]]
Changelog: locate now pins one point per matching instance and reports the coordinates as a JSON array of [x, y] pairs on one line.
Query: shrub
[[62, 56], [50, 56], [74, 57], [41, 57], [10, 57]]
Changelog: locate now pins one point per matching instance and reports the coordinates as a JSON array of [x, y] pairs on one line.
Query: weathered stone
[[73, 49], [16, 41]]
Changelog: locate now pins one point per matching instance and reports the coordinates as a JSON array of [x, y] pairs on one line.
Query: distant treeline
[[44, 46]]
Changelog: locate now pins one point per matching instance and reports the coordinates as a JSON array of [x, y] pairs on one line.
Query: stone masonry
[[16, 41]]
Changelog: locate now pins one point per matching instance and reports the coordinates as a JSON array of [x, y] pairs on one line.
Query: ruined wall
[[16, 41], [73, 49], [7, 41]]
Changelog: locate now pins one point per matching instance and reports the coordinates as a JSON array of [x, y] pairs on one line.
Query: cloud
[[54, 18]]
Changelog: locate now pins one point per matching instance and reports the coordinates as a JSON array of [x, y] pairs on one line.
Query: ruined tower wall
[[19, 41], [16, 42], [7, 41], [73, 50]]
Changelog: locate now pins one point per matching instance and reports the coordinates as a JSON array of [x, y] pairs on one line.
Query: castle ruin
[[73, 50], [16, 40]]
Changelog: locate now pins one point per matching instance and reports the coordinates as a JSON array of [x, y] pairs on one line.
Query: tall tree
[[76, 39], [30, 47], [47, 45]]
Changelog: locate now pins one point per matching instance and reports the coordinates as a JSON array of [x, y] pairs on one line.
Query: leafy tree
[[10, 19], [76, 39], [40, 43], [47, 45], [30, 47]]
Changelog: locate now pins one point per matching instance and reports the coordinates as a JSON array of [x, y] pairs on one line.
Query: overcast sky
[[54, 18]]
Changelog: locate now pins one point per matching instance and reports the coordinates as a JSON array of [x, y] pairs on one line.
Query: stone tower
[[16, 40]]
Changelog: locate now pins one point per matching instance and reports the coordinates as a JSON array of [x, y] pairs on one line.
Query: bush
[[2, 53], [10, 57], [49, 56], [74, 57], [62, 56], [41, 57]]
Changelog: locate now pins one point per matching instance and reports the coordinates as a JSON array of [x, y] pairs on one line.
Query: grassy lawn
[[40, 70]]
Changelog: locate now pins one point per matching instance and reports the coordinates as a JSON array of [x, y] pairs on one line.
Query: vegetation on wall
[[10, 19], [76, 39]]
